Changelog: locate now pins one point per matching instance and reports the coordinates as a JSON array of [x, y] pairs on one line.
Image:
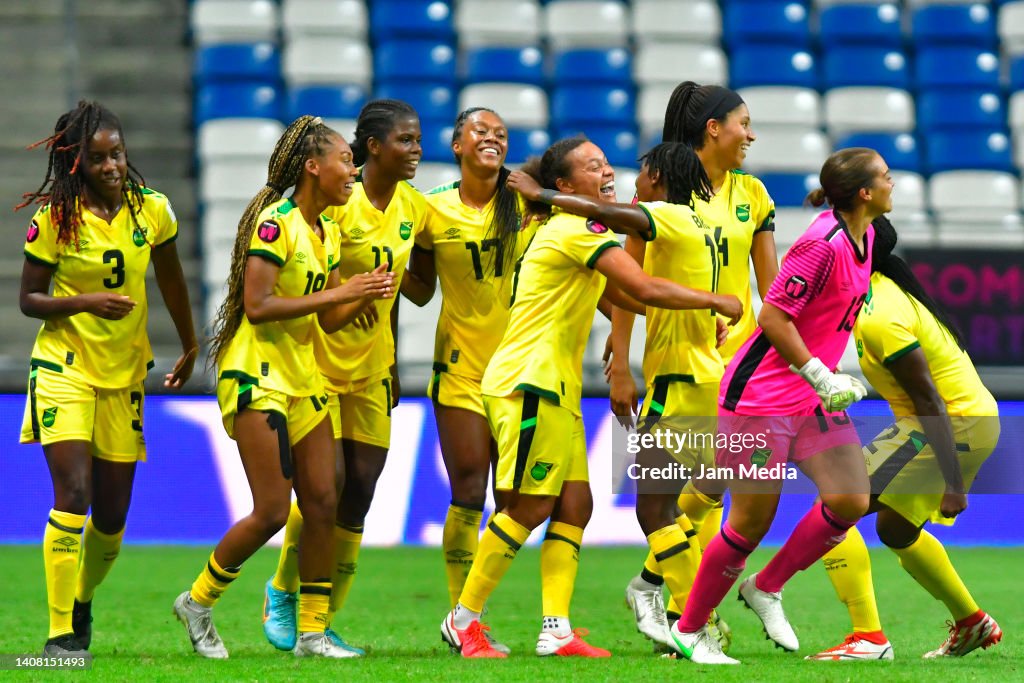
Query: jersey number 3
[[116, 279]]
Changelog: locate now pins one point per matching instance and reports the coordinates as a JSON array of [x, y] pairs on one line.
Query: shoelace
[[476, 634], [709, 642], [850, 639], [655, 605]]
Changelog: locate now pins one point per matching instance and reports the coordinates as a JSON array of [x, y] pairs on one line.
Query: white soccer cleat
[[198, 620], [964, 639], [319, 644], [768, 608], [855, 648], [720, 630], [699, 647], [649, 611]]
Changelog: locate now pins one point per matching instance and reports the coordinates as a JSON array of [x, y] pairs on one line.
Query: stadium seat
[[823, 4], [973, 195], [433, 102], [942, 24], [236, 100], [1006, 232], [775, 22], [234, 21], [238, 139], [434, 174], [581, 104], [788, 151], [586, 23], [524, 106], [625, 183], [414, 60], [947, 151], [237, 62], [868, 108], [334, 18], [618, 144], [899, 150], [524, 143], [328, 101], [771, 65], [873, 66], [399, 19], [789, 189], [651, 104], [417, 324], [791, 222], [503, 23], [965, 67], [1010, 27], [696, 21], [437, 141], [677, 62], [345, 126], [237, 181], [952, 108], [909, 193], [783, 106], [220, 223], [321, 61], [861, 24], [505, 64], [610, 67]]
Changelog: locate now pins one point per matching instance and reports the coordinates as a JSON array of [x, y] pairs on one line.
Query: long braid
[[681, 125], [63, 186], [681, 171], [307, 136]]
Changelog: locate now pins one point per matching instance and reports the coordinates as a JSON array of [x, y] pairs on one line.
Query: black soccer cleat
[[66, 645], [81, 622]]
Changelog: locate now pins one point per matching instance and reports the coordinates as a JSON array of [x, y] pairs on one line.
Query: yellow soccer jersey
[[739, 210], [893, 323], [556, 290], [369, 238], [476, 282], [278, 355], [681, 344], [108, 257]]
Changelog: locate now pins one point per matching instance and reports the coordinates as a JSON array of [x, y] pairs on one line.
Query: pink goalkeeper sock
[[723, 561], [817, 532]]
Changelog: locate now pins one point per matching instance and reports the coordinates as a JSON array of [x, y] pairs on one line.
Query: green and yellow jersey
[[278, 355], [555, 295], [108, 257]]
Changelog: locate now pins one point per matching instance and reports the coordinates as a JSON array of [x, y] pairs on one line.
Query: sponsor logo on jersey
[[33, 231], [596, 228], [743, 212], [540, 470], [139, 236], [49, 416], [796, 287], [405, 229], [269, 231]]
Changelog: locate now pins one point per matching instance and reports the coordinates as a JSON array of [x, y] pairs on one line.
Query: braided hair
[[896, 269], [547, 169], [691, 106], [681, 171], [505, 219], [63, 185], [306, 137], [376, 119]]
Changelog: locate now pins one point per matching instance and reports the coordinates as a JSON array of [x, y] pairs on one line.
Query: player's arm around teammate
[[273, 407], [91, 241]]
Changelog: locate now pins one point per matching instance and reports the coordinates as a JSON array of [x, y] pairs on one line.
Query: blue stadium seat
[[1017, 72], [405, 60], [945, 151], [238, 100], [847, 66], [778, 22], [572, 105], [953, 107], [238, 62], [618, 144], [613, 67], [877, 25], [954, 25], [524, 143], [505, 64], [328, 101], [965, 67], [437, 141], [393, 19], [899, 150], [771, 65], [789, 189], [433, 102]]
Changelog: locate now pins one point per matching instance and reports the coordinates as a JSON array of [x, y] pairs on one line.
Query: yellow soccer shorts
[[689, 413], [363, 410], [456, 391], [540, 444], [63, 408], [301, 413], [905, 473]]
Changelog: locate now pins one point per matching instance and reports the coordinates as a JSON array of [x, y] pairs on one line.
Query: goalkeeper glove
[[837, 392]]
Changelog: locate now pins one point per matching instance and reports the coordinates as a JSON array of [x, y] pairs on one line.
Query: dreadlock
[[63, 186], [505, 219], [376, 119], [546, 170], [896, 269], [306, 137], [681, 171]]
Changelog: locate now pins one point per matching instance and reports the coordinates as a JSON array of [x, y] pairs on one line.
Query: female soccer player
[[532, 385], [770, 417], [358, 364], [283, 285], [946, 425], [93, 237]]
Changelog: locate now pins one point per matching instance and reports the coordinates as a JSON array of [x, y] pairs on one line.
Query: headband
[[720, 101]]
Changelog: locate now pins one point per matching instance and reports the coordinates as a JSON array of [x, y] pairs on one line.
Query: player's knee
[[73, 493], [469, 486], [319, 506], [271, 518], [654, 512], [847, 506], [896, 536]]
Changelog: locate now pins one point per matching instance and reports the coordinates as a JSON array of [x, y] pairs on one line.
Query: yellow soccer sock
[[671, 550], [99, 550], [498, 547], [61, 547], [711, 526], [697, 506], [212, 582], [459, 542], [314, 603], [926, 560], [286, 578], [559, 562], [347, 541], [849, 569]]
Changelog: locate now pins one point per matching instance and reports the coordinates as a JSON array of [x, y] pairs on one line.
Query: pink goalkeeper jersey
[[822, 284]]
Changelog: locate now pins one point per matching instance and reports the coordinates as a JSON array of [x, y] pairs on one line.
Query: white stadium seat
[[625, 184], [909, 194], [238, 139], [790, 151], [335, 18], [973, 195], [234, 21], [347, 127], [498, 22], [697, 21], [237, 181], [677, 62], [1010, 26], [587, 23], [790, 223], [1001, 233], [327, 60], [432, 174], [523, 106], [416, 328], [868, 109], [783, 106], [651, 104]]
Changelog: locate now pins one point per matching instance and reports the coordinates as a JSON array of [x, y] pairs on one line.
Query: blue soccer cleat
[[333, 636], [279, 617]]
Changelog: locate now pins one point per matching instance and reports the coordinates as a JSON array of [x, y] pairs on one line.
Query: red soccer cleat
[[471, 641], [571, 645]]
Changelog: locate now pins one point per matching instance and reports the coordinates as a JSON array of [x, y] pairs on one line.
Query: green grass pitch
[[400, 598]]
